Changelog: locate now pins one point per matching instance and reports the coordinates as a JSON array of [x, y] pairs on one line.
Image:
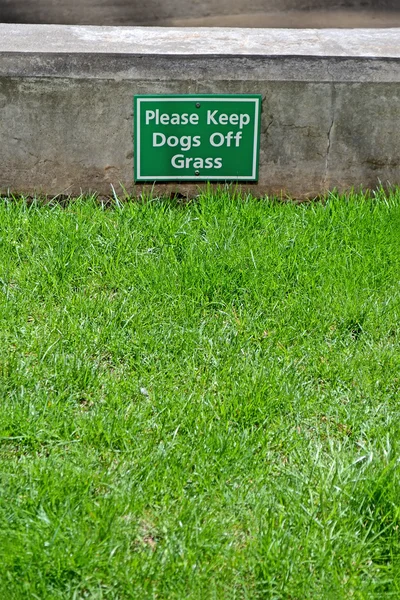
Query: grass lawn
[[200, 401]]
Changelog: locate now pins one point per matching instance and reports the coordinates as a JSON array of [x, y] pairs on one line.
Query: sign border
[[137, 99]]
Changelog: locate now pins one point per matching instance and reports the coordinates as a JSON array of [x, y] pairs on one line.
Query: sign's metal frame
[[138, 99]]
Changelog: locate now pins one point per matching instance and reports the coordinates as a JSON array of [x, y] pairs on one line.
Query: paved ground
[[220, 13], [298, 19]]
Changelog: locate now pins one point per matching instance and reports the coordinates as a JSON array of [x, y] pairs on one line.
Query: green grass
[[200, 401]]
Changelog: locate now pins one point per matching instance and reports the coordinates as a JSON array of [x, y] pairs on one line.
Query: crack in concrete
[[265, 131], [329, 135]]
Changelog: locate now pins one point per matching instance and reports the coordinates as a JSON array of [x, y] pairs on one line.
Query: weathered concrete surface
[[246, 13], [331, 102]]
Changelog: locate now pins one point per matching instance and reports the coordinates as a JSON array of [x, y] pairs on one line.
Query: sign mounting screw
[[197, 172], [197, 104]]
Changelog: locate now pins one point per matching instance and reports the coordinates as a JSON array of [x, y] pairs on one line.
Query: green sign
[[192, 138]]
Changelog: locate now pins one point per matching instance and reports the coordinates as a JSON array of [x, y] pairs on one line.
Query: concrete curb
[[331, 102]]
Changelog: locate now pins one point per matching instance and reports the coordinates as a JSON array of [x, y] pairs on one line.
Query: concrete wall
[[157, 12], [331, 102]]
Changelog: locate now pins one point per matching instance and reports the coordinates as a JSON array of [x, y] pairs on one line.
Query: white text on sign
[[186, 142]]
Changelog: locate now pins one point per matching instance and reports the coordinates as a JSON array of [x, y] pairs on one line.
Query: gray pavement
[[222, 13]]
